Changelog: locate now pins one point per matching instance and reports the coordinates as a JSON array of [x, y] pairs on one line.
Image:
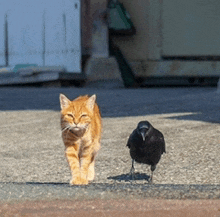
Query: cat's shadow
[[127, 177]]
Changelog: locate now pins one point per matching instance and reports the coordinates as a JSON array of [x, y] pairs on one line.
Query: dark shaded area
[[35, 190], [204, 103], [127, 177], [193, 58], [45, 183], [178, 81], [45, 79]]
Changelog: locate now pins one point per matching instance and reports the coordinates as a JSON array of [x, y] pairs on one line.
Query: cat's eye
[[70, 115], [83, 115]]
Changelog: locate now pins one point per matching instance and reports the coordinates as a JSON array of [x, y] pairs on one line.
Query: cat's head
[[76, 115]]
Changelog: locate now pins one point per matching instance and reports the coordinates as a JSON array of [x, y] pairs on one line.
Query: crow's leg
[[153, 167], [132, 169]]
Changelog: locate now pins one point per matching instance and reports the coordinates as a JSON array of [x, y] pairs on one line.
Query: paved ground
[[113, 208], [33, 166]]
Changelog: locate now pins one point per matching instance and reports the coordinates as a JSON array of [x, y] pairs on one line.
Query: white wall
[[43, 32]]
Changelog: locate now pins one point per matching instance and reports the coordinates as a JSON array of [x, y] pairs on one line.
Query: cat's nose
[[76, 123]]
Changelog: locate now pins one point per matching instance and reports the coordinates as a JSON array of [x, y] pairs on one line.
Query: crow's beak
[[143, 132], [143, 135]]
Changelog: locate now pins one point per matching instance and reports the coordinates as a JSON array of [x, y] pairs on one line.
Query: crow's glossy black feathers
[[146, 145]]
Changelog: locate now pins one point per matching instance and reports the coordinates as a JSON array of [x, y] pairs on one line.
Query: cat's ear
[[91, 102], [64, 101]]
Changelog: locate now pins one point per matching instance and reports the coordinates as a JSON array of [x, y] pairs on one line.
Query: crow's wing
[[163, 145], [161, 141], [131, 139]]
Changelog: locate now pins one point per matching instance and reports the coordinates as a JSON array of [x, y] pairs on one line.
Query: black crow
[[146, 146]]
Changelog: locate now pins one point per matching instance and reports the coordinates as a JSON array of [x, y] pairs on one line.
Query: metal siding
[[38, 34], [2, 33], [62, 36], [191, 27], [24, 33]]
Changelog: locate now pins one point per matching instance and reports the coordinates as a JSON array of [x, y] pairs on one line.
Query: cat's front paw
[[78, 181], [84, 181], [75, 181]]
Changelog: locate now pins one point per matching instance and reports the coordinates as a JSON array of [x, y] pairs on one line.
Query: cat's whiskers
[[84, 127], [72, 127], [68, 127]]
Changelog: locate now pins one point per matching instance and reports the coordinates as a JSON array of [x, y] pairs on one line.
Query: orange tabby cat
[[81, 133]]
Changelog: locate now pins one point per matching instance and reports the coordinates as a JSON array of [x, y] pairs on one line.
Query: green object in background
[[20, 66], [125, 69], [120, 24], [119, 20]]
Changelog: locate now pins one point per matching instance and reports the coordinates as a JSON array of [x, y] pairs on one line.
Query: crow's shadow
[[127, 177]]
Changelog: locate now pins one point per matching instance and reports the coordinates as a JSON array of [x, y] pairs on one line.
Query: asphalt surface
[[33, 166]]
